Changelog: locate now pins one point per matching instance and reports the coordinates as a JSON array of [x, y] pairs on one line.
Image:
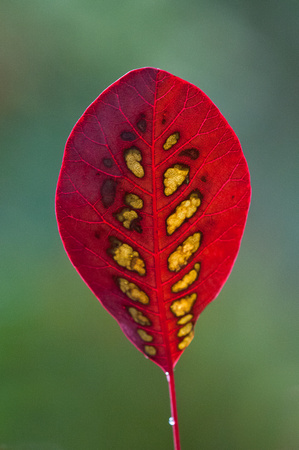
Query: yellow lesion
[[183, 211], [134, 201], [133, 157], [144, 335], [174, 177], [126, 216], [186, 341], [179, 258], [183, 305], [187, 279], [133, 291], [171, 141], [138, 317], [150, 350], [185, 319], [127, 257], [185, 330]]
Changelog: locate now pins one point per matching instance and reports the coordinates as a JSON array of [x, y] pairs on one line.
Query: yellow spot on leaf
[[171, 140], [187, 279], [150, 350], [185, 319], [134, 201], [174, 177], [183, 305], [133, 291], [133, 157], [144, 335], [185, 330], [186, 341], [127, 257], [183, 211], [126, 216], [139, 317], [179, 258]]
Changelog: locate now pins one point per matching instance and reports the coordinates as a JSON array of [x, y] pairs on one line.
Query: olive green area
[[69, 379]]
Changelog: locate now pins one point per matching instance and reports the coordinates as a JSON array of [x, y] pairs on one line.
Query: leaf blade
[[146, 128]]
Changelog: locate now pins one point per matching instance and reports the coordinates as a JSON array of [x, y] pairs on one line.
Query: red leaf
[[151, 204]]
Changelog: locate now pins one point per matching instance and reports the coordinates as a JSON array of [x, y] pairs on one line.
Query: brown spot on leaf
[[136, 226], [108, 162], [108, 192], [203, 179], [192, 153], [141, 124], [128, 136]]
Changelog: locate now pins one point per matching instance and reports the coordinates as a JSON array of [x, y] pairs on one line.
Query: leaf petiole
[[173, 421]]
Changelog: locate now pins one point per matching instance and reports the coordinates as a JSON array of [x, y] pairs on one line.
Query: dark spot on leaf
[[203, 178], [163, 120], [192, 153], [114, 244], [108, 162], [128, 136], [97, 235], [108, 191], [233, 197], [135, 225], [141, 124]]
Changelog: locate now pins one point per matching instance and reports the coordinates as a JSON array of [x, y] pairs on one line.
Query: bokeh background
[[69, 379]]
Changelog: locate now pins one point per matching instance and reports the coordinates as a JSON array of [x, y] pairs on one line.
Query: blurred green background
[[69, 379]]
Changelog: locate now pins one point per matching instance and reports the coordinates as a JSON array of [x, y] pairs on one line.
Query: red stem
[[174, 412]]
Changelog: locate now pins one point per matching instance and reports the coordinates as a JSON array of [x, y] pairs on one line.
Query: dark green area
[[69, 379]]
